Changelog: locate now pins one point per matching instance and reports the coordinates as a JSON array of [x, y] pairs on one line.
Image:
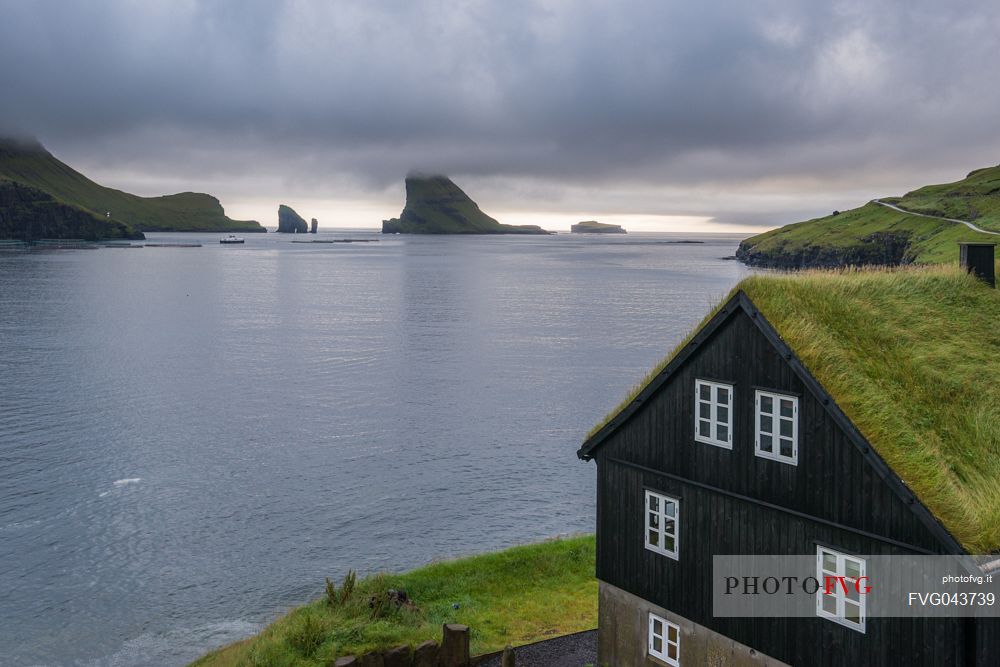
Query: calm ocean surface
[[192, 438]]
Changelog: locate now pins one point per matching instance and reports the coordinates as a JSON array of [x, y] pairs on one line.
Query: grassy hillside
[[874, 234], [30, 164], [435, 205], [514, 596], [976, 198], [27, 213]]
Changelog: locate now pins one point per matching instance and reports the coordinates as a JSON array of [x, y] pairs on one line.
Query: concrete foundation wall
[[622, 636]]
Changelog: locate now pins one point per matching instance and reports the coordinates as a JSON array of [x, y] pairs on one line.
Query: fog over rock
[[745, 111]]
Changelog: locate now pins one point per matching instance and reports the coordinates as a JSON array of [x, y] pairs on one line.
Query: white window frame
[[660, 517], [842, 599], [664, 637], [775, 433], [713, 405]]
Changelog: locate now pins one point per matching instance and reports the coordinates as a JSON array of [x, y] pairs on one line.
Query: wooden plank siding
[[733, 502]]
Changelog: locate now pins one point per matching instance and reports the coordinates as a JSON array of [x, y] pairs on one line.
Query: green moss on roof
[[912, 357]]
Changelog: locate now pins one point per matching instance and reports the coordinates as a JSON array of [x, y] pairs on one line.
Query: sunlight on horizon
[[363, 214]]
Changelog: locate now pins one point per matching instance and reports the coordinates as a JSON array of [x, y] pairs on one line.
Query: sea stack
[[435, 205], [290, 222], [314, 226], [594, 227]]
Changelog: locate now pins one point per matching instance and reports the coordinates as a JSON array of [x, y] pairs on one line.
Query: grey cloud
[[682, 104]]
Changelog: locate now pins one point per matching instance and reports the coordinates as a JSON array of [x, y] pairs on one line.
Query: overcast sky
[[737, 115]]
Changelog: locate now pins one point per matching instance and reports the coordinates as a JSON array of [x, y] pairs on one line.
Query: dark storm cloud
[[653, 98]]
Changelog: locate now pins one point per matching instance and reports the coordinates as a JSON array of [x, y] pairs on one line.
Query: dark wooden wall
[[834, 494]]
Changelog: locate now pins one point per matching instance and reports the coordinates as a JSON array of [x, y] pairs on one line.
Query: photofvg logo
[[831, 585], [850, 588]]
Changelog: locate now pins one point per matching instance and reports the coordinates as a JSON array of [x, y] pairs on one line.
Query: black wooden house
[[736, 447]]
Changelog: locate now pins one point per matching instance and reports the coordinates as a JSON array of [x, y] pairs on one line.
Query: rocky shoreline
[[877, 249]]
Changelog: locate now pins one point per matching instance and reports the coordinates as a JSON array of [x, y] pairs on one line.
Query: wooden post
[[455, 645], [426, 654], [507, 660], [372, 659], [398, 657]]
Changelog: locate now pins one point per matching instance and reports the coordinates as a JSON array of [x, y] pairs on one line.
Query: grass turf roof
[[912, 357]]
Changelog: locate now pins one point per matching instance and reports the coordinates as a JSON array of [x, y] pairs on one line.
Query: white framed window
[[713, 413], [662, 517], [840, 575], [777, 427], [664, 640]]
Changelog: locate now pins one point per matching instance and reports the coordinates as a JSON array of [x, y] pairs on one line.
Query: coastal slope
[[435, 205], [27, 213], [874, 234], [28, 163]]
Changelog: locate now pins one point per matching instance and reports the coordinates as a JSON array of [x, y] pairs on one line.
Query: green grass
[[32, 165], [28, 213], [435, 205], [515, 596], [873, 234], [855, 237], [976, 198], [912, 356]]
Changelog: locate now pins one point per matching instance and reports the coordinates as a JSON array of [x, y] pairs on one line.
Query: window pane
[[722, 414], [671, 634], [723, 395], [765, 425], [765, 443], [723, 434], [669, 507], [766, 405], [785, 447], [705, 428], [852, 612], [654, 538], [668, 543], [672, 651], [657, 644], [852, 592], [786, 427], [654, 519], [657, 627], [852, 568], [830, 604], [669, 528], [704, 410], [705, 392], [786, 408], [654, 503]]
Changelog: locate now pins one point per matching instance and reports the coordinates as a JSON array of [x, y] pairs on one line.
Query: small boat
[[232, 238]]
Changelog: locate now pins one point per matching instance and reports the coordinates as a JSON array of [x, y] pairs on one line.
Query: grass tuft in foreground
[[515, 596]]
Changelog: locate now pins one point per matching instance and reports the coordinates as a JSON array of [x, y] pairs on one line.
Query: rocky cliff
[[28, 213], [290, 222], [435, 205]]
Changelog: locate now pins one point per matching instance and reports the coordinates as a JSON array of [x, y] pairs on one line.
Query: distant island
[[921, 227], [435, 205], [595, 227], [290, 222], [41, 197]]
